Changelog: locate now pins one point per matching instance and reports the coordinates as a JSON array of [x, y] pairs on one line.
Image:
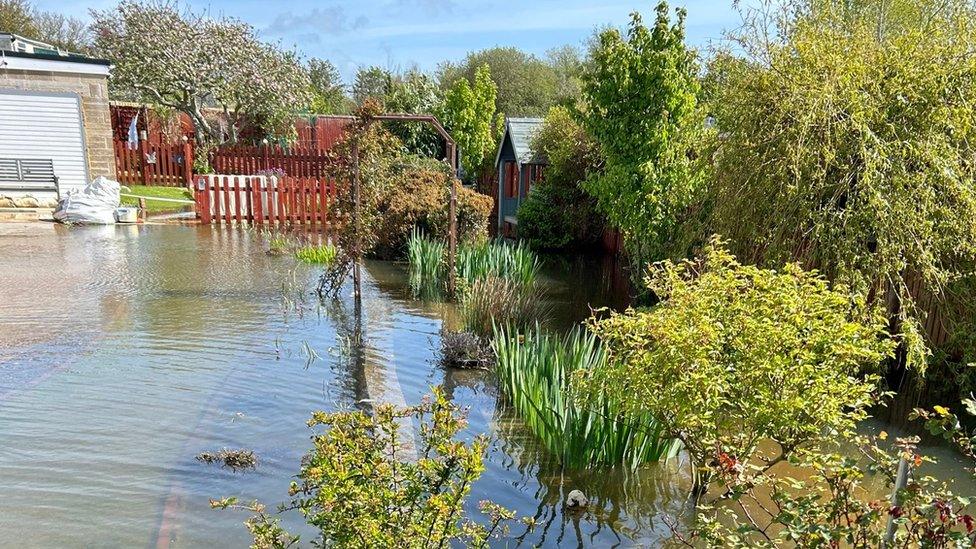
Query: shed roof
[[521, 131]]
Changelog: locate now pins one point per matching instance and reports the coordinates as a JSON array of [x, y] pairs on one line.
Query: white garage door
[[41, 126]]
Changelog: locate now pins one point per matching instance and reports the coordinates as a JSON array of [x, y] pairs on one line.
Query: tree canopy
[[328, 93], [640, 103], [847, 143], [527, 85], [468, 112], [188, 62], [22, 18]]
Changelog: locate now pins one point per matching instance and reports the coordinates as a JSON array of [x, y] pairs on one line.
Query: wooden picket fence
[[165, 165], [261, 200], [291, 161]]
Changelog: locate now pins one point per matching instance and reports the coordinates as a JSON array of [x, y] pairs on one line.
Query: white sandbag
[[94, 204]]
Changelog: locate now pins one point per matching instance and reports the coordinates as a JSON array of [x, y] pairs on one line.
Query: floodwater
[[126, 351]]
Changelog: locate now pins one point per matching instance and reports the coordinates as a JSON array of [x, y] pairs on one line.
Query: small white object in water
[[576, 500]]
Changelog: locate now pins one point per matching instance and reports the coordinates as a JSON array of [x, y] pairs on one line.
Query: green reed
[[427, 266], [325, 254], [515, 262], [535, 372], [492, 260]]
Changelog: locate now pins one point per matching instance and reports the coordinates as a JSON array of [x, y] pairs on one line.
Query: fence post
[[188, 164], [202, 198]]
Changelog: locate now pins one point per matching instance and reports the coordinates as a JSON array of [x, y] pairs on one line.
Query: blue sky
[[399, 34]]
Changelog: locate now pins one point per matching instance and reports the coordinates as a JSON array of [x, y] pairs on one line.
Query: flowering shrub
[[366, 483]]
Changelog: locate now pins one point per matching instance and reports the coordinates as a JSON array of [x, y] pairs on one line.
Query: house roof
[[521, 131]]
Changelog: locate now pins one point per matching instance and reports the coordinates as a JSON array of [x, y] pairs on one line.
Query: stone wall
[[93, 90]]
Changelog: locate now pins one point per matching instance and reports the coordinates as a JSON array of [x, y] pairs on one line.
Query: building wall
[[93, 91]]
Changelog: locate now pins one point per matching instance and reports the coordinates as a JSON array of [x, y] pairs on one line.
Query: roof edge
[[53, 57]]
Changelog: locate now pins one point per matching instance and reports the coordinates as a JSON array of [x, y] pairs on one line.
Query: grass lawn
[[161, 192]]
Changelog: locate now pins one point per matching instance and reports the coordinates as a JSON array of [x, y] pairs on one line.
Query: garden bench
[[28, 174]]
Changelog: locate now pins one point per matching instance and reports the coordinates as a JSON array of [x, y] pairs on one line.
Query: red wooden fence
[[165, 165], [263, 200], [292, 162]]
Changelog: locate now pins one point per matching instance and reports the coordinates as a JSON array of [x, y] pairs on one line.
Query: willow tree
[[191, 62], [847, 142], [640, 95]]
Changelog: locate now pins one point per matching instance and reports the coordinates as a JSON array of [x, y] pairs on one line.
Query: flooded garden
[[126, 352]]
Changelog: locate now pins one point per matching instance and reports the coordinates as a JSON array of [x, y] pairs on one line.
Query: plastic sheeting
[[94, 204]]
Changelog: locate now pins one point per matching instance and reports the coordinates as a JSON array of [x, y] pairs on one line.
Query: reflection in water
[[624, 505], [126, 351]]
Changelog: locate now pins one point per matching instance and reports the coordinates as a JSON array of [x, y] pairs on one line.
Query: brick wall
[[93, 90]]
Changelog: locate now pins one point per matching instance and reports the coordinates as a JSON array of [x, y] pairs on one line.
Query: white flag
[[133, 133]]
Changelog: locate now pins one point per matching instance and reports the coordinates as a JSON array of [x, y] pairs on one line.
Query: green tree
[[328, 96], [847, 144], [468, 113], [416, 93], [22, 18], [640, 95], [411, 92], [527, 85], [187, 61], [734, 355], [16, 17], [370, 82]]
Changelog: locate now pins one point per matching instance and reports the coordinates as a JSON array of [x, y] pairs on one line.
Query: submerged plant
[[535, 371], [365, 483], [465, 350], [515, 263], [278, 244], [235, 460], [323, 254]]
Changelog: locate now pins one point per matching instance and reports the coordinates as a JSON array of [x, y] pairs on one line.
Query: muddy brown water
[[125, 351]]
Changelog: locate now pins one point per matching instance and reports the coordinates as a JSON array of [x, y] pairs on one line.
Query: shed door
[[41, 126]]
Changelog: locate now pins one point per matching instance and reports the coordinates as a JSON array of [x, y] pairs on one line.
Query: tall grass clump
[[278, 244], [427, 266], [323, 254], [535, 371], [499, 301], [515, 262]]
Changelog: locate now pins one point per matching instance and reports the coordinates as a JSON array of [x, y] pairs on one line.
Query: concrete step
[[21, 215]]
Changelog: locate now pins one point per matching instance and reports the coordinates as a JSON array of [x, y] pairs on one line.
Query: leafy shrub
[[734, 354], [542, 222], [831, 505], [535, 371], [558, 213], [419, 198], [364, 484]]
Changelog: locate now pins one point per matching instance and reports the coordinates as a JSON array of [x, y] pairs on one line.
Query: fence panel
[[164, 165], [263, 200], [292, 162]]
